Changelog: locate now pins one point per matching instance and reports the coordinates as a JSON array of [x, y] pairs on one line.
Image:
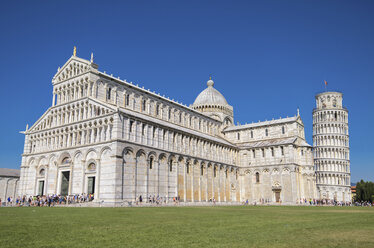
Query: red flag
[[325, 82]]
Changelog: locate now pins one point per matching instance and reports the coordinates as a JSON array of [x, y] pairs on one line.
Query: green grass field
[[187, 227]]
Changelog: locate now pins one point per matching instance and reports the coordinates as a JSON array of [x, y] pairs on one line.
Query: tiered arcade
[[331, 147]]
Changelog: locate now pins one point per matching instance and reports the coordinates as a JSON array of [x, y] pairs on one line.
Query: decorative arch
[[91, 165], [127, 151], [162, 157], [91, 154], [140, 153], [152, 154], [181, 158], [105, 149], [42, 161], [105, 153], [31, 161], [41, 170], [77, 156], [63, 158], [52, 159], [171, 157]]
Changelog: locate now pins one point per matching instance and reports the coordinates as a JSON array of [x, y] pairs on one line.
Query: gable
[[73, 67], [299, 121], [70, 113]]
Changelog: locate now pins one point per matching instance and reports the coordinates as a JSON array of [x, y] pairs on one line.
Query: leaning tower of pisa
[[331, 147]]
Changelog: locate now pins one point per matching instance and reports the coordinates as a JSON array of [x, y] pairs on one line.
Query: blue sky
[[267, 58]]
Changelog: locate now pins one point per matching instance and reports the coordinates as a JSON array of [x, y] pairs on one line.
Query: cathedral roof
[[274, 142], [210, 96], [9, 172], [263, 123]]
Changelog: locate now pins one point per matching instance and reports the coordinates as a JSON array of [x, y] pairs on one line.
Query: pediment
[[73, 67], [65, 111], [299, 120]]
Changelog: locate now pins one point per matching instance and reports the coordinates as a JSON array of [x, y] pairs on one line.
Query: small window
[[215, 171], [131, 124], [266, 132], [202, 170], [254, 153], [272, 152], [282, 150], [109, 93], [302, 152], [150, 163], [144, 105], [171, 166], [283, 130], [238, 136], [169, 114], [180, 118], [188, 168], [157, 110], [252, 134], [143, 129], [42, 172], [127, 98], [263, 152], [257, 177]]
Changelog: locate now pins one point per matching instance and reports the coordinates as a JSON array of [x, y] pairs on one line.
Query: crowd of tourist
[[155, 200], [323, 202], [364, 204], [304, 202], [52, 200], [47, 200]]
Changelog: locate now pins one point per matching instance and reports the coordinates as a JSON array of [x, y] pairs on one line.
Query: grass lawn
[[240, 226]]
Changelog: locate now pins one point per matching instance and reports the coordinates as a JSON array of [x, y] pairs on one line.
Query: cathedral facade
[[118, 141]]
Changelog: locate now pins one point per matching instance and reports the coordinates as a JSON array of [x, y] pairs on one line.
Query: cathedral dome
[[210, 96]]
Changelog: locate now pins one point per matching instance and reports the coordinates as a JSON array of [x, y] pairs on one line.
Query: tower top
[[329, 100], [75, 51]]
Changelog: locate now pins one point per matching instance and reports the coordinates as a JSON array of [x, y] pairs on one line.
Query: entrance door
[[91, 185], [41, 188], [277, 196], [65, 182]]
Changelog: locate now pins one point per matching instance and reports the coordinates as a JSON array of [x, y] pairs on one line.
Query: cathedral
[[118, 141]]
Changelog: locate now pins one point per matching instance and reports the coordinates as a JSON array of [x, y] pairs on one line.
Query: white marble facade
[[331, 147], [109, 137], [9, 181]]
